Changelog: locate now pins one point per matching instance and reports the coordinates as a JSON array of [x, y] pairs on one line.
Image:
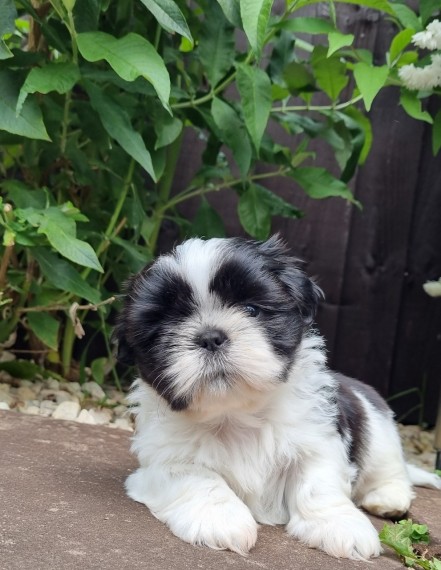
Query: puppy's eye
[[252, 310]]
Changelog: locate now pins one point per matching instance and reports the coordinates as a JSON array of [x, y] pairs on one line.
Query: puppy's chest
[[248, 457]]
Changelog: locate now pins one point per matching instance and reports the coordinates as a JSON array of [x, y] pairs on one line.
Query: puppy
[[238, 419]]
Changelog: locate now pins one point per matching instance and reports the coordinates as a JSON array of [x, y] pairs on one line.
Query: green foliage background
[[95, 98]]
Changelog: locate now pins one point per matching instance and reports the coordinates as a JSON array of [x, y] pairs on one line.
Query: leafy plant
[[403, 537], [96, 99]]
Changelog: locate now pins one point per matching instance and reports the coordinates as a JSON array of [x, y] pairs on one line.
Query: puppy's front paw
[[347, 534], [220, 525]]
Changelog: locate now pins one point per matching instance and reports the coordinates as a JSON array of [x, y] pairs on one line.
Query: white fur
[[259, 450]]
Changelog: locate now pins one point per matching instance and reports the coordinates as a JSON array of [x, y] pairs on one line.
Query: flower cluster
[[428, 77]]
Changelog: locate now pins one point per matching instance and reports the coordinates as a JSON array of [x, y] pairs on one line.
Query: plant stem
[[164, 189], [73, 35], [65, 124], [186, 195], [213, 92], [4, 264], [288, 109], [68, 342]]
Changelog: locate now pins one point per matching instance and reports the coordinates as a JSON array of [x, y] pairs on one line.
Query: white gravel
[[88, 403], [93, 404]]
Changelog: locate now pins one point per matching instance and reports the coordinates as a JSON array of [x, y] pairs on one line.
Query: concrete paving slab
[[63, 507]]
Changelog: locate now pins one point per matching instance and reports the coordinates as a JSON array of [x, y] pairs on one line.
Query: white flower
[[431, 37], [433, 288], [420, 78]]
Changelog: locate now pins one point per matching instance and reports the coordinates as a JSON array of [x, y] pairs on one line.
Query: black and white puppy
[[238, 419]]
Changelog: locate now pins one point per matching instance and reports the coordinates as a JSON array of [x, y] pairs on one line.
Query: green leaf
[[23, 196], [64, 276], [254, 88], [5, 52], [382, 5], [330, 72], [45, 327], [306, 25], [131, 56], [254, 213], [86, 15], [8, 14], [167, 129], [337, 40], [298, 78], [370, 80], [60, 77], [117, 123], [400, 41], [136, 257], [436, 134], [71, 248], [366, 126], [58, 225], [427, 8], [318, 183], [169, 16], [255, 15], [23, 369], [412, 105], [207, 222], [98, 369], [256, 206], [233, 133], [231, 9], [277, 206], [30, 121], [69, 4], [216, 44], [406, 16]]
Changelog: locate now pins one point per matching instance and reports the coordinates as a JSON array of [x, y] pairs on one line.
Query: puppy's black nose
[[211, 339]]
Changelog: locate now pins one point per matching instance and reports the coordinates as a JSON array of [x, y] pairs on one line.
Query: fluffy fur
[[238, 419]]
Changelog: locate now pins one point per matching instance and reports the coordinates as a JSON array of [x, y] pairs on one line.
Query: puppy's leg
[[196, 504], [384, 486], [322, 514]]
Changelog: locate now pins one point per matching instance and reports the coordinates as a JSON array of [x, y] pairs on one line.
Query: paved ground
[[63, 507]]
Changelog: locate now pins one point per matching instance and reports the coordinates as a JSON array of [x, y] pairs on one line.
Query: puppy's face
[[216, 316]]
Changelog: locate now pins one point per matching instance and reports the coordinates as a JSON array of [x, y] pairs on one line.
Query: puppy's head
[[214, 316]]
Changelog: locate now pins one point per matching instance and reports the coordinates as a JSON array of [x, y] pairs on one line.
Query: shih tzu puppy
[[238, 419]]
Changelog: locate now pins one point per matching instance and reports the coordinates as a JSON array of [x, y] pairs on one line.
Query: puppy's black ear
[[304, 291]]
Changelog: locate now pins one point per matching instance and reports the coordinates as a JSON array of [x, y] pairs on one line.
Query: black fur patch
[[352, 418], [155, 300], [352, 422]]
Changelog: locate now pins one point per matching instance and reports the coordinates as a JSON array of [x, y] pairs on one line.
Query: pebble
[[62, 396], [94, 390], [122, 423], [66, 411], [31, 410], [7, 398], [72, 387], [4, 406], [47, 408], [86, 417], [24, 393], [102, 417], [52, 384]]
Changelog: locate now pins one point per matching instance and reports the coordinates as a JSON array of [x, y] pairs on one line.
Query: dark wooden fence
[[379, 324]]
